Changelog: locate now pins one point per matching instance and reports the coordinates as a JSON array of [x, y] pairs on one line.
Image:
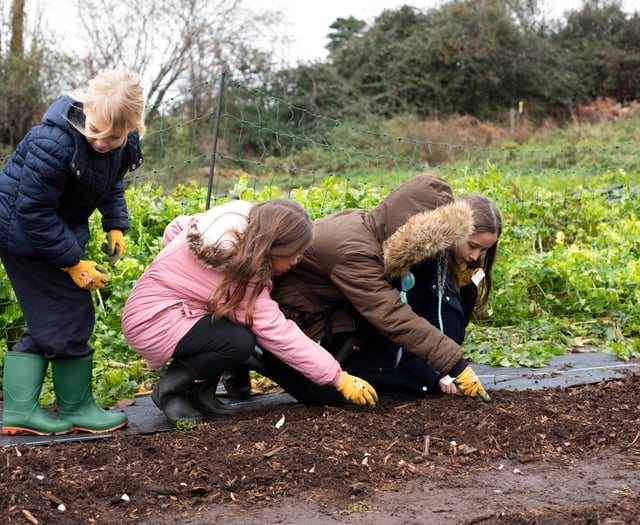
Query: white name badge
[[477, 276]]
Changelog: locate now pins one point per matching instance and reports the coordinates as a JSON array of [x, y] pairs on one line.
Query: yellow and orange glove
[[357, 390], [469, 384], [88, 275], [114, 247]]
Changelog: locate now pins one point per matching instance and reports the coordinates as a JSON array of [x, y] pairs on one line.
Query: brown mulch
[[565, 455]]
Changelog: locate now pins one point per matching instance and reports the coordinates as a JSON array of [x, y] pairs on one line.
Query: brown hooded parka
[[356, 254]]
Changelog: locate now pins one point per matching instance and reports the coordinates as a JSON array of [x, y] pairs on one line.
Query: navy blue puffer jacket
[[55, 180]]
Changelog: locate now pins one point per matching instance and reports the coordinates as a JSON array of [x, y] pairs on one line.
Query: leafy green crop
[[566, 278]]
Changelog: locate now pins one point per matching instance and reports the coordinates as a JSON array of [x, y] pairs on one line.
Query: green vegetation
[[461, 57], [189, 425], [471, 57]]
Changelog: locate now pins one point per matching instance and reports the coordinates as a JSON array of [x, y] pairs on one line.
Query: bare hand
[[448, 386]]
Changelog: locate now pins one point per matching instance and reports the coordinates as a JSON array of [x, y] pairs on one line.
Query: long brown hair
[[277, 227], [486, 219]]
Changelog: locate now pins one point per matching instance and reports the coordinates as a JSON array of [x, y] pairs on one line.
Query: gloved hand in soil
[[357, 390], [469, 384]]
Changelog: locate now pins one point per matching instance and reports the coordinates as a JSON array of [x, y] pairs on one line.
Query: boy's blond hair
[[117, 96]]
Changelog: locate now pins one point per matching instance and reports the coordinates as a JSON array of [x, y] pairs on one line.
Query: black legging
[[293, 382], [214, 345]]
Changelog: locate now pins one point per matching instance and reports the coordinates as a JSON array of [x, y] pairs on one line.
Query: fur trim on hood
[[215, 231], [425, 235]]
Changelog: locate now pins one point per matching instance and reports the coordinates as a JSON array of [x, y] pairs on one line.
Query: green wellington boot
[[21, 386], [72, 385]]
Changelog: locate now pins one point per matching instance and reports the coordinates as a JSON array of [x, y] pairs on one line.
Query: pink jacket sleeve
[[178, 224], [284, 339]]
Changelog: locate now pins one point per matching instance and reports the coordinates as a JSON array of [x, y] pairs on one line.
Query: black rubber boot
[[237, 382], [203, 397], [170, 394]]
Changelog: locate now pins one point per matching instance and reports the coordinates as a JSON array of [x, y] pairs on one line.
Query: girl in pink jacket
[[205, 302]]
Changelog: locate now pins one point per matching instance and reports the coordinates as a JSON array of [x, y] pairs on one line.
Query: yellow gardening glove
[[114, 247], [357, 390], [469, 384], [88, 275]]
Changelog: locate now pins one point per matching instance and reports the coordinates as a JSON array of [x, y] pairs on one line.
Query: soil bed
[[555, 456]]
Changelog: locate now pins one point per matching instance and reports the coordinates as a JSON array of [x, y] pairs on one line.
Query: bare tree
[[16, 47], [174, 44], [29, 72]]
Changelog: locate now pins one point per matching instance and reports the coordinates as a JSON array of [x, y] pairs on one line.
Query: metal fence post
[[214, 145]]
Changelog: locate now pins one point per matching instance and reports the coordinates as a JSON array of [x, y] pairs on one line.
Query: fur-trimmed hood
[[426, 234], [215, 230], [416, 221]]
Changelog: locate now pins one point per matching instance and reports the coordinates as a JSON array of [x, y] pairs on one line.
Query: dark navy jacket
[[55, 180], [456, 308], [403, 373]]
